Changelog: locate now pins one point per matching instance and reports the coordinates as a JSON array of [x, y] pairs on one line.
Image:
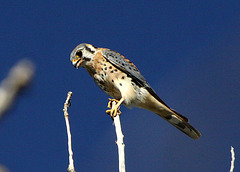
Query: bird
[[119, 78]]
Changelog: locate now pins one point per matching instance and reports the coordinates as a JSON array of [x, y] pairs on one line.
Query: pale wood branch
[[233, 159], [18, 78], [119, 142], [66, 115]]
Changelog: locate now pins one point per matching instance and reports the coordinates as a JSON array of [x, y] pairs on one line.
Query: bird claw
[[113, 111], [111, 101]]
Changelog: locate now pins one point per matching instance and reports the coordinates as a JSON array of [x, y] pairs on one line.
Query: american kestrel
[[120, 79]]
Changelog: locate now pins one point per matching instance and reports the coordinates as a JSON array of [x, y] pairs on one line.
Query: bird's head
[[82, 54]]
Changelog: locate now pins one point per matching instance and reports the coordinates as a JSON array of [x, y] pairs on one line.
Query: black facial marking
[[112, 80], [105, 68], [123, 77], [120, 84], [89, 49], [115, 70], [111, 71], [110, 67]]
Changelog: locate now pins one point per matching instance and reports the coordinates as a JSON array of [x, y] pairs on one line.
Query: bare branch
[[18, 78], [233, 159], [66, 115], [119, 142], [3, 168]]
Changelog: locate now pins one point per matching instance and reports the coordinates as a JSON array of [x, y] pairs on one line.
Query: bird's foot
[[113, 111]]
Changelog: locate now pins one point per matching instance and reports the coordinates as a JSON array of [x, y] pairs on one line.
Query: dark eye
[[79, 53]]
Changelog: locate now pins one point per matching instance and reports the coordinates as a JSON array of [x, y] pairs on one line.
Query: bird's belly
[[109, 89], [114, 82], [117, 88]]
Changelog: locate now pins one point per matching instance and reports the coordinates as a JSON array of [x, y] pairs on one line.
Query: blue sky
[[188, 51]]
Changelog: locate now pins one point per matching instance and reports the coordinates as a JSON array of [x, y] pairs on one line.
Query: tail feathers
[[181, 123], [183, 117], [155, 104]]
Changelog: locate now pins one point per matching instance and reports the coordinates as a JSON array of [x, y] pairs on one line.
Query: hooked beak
[[77, 62]]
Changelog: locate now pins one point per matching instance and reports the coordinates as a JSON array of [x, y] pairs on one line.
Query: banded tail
[[155, 104], [181, 123]]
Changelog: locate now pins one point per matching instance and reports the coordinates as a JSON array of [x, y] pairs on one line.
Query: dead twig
[[233, 159], [18, 78], [66, 115], [120, 136]]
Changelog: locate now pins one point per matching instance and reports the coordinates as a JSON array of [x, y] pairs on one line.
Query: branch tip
[[66, 115]]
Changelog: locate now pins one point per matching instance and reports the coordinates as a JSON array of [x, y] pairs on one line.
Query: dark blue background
[[188, 51]]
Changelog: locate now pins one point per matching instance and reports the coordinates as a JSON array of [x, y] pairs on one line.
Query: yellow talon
[[115, 110]]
